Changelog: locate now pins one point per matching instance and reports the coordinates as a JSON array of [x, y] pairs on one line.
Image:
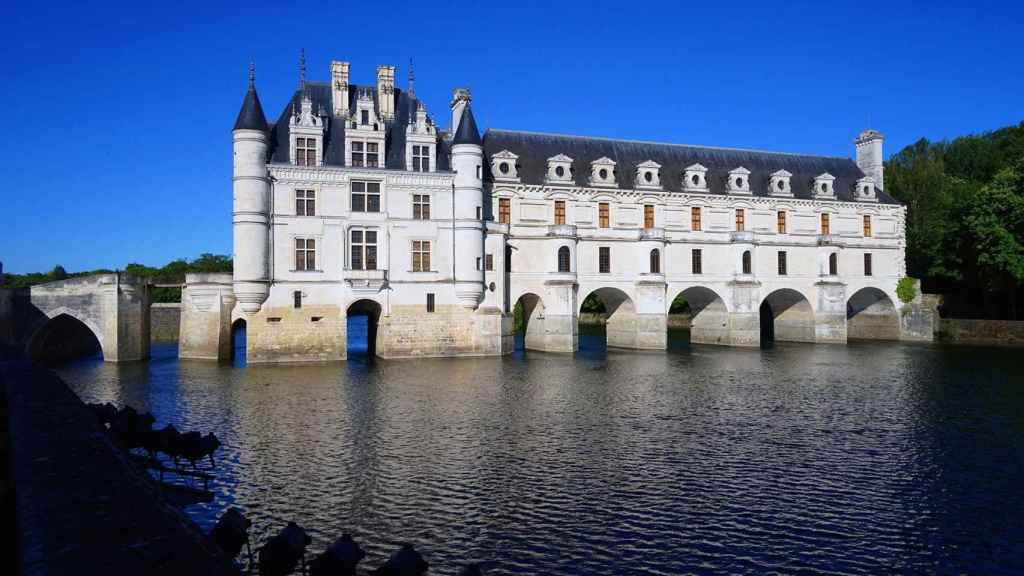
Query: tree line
[[965, 220], [171, 273]]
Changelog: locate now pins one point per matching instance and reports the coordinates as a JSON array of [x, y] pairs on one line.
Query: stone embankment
[[597, 318], [80, 507], [982, 332]]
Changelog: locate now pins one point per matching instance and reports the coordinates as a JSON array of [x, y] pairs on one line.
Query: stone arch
[[239, 340], [872, 315], [63, 334], [786, 315], [620, 318], [361, 339], [708, 315], [529, 317]]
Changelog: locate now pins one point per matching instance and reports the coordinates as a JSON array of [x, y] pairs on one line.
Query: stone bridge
[[101, 313]]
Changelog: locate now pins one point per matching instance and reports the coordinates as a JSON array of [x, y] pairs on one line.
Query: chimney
[[339, 88], [460, 98], [386, 91], [869, 155]]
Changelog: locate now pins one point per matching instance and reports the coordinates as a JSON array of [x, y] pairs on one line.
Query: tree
[[59, 273], [994, 223]]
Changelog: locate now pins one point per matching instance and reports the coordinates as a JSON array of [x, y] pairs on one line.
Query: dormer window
[[364, 117], [648, 175], [695, 178], [420, 158], [504, 166], [779, 184], [305, 152], [865, 190], [559, 169], [602, 172], [307, 129], [365, 154], [738, 181], [823, 186]]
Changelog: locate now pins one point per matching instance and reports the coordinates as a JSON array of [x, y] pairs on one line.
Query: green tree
[[994, 224], [59, 273]]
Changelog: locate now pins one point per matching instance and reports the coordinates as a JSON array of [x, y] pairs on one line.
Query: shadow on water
[[358, 340]]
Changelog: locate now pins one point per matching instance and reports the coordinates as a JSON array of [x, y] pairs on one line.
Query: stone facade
[[164, 321], [354, 202]]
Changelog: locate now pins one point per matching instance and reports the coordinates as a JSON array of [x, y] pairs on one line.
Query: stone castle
[[353, 201]]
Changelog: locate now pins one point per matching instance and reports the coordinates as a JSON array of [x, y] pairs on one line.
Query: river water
[[801, 459]]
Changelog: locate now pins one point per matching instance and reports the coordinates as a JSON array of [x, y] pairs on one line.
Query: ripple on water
[[863, 459]]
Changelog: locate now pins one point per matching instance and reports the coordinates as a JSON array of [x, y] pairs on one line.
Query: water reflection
[[860, 459]]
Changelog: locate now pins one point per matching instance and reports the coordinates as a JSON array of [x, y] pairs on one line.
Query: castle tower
[[467, 162], [869, 155], [250, 211]]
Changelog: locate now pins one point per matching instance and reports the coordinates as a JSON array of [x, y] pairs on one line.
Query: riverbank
[[79, 506], [981, 332]]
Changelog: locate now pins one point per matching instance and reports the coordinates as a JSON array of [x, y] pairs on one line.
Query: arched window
[[655, 261], [833, 264], [563, 259], [746, 262]]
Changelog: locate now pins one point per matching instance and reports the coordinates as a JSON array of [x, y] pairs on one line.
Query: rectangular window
[[604, 260], [648, 216], [297, 297], [305, 203], [421, 206], [430, 302], [305, 151], [782, 222], [366, 196], [489, 262], [559, 211], [695, 219], [421, 256], [824, 224], [358, 154], [867, 226], [305, 254], [695, 259], [364, 117], [867, 265], [740, 220], [371, 155], [602, 215], [479, 213], [782, 263], [504, 210], [420, 158], [363, 249]]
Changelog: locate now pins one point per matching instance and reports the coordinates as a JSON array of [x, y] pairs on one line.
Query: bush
[[906, 289]]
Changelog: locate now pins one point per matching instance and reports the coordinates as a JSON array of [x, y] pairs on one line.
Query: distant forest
[[965, 227], [172, 273], [965, 220]]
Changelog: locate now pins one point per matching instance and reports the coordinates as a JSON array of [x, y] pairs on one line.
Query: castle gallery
[[353, 201]]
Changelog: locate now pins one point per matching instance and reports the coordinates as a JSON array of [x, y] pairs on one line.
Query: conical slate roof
[[251, 117], [467, 132]]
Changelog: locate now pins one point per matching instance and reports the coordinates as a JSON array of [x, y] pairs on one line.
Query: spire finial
[[302, 68], [252, 74], [412, 79]]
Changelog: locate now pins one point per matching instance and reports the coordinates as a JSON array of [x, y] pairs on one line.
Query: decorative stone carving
[[602, 172], [824, 186], [695, 178], [779, 185], [648, 175], [505, 166], [738, 181]]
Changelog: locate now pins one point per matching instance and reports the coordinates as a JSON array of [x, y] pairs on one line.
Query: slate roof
[[334, 138], [467, 132], [535, 148], [251, 117]]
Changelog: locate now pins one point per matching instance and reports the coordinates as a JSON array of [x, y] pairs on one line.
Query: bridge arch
[[64, 334], [708, 312], [872, 315], [786, 315], [529, 318], [619, 318]]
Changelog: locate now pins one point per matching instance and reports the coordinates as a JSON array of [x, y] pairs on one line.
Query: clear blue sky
[[118, 143]]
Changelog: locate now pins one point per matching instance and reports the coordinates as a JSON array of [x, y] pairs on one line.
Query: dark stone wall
[[165, 322]]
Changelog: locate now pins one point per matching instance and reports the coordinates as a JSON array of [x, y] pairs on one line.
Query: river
[[857, 459]]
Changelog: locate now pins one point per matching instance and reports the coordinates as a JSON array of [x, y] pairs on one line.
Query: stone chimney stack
[[339, 88], [869, 155], [460, 99], [386, 91]]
